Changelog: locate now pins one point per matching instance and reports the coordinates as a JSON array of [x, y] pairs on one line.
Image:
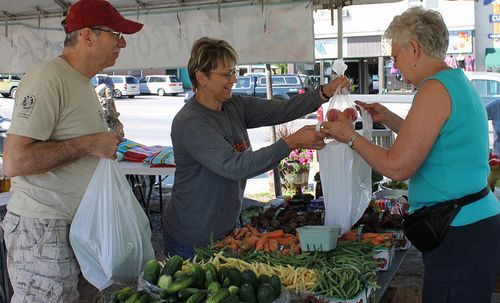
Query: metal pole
[[340, 30], [269, 91]]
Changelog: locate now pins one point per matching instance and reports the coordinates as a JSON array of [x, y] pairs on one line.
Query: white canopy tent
[[261, 32]]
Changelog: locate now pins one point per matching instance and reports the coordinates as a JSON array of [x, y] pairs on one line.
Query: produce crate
[[401, 242], [362, 297], [318, 238]]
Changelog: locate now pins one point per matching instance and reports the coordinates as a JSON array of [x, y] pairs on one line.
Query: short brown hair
[[207, 54]]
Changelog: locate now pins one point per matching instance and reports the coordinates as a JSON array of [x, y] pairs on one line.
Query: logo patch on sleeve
[[26, 106]]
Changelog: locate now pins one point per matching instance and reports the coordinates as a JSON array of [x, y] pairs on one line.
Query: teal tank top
[[457, 164]]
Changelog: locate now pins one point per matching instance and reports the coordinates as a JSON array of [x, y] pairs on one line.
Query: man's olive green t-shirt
[[55, 102]]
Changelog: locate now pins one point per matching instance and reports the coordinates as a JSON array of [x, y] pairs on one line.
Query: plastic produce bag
[[345, 176], [110, 233], [341, 100]]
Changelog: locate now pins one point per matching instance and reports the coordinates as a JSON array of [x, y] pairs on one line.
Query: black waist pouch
[[427, 226]]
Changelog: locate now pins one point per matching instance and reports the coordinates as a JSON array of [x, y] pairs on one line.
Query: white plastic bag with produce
[[110, 233], [345, 176]]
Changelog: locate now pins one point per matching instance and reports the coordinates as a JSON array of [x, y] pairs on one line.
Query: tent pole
[[276, 172]]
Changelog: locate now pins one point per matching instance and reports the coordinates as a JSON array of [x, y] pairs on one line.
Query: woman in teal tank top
[[442, 147]]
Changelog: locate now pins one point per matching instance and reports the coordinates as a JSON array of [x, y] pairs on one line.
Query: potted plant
[[294, 169]]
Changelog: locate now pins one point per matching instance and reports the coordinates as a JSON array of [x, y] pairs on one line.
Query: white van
[[161, 85], [487, 85], [125, 86]]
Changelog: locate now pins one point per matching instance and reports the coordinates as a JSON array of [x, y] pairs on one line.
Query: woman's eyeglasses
[[234, 72], [118, 35]]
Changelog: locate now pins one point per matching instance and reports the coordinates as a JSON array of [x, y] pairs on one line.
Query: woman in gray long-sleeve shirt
[[213, 153]]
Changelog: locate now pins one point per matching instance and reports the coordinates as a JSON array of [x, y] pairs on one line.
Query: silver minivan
[[125, 86], [161, 85]]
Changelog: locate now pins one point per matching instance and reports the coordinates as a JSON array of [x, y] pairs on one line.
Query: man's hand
[[102, 145]]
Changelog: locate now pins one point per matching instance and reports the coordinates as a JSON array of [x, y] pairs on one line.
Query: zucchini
[[249, 276], [265, 293], [187, 292], [247, 293], [234, 275], [197, 297], [152, 271], [222, 274], [226, 283], [174, 264], [180, 284], [263, 278], [275, 282], [219, 296]]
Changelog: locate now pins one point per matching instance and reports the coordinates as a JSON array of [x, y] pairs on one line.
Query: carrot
[[285, 251], [241, 232], [275, 234], [219, 245], [285, 241], [248, 234], [266, 247], [295, 248], [234, 247], [259, 245], [273, 245], [252, 229], [235, 232]]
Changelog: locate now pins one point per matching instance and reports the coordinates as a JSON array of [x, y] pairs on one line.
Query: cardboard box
[[384, 256], [401, 242]]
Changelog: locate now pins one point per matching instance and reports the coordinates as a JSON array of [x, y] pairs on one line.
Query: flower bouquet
[[294, 169]]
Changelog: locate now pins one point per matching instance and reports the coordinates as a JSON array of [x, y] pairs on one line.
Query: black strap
[[472, 197]]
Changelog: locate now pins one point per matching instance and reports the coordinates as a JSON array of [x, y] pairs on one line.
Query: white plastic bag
[[346, 180], [341, 100], [110, 233]]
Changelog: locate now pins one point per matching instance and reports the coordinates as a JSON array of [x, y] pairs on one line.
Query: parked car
[[8, 85], [161, 85], [284, 86], [125, 86], [487, 85], [102, 78]]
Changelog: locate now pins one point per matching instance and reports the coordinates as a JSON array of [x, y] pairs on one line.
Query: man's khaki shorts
[[42, 266]]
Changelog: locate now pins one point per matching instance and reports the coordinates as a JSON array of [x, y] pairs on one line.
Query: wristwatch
[[351, 142]]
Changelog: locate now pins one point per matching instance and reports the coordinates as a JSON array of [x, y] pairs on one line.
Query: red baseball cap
[[89, 13]]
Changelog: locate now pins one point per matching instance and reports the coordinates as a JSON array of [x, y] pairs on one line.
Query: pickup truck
[[284, 86], [8, 85]]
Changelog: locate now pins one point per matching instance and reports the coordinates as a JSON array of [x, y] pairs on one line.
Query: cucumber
[[213, 287], [180, 284], [247, 293], [197, 297], [232, 298], [187, 292], [198, 272], [210, 273], [219, 296], [233, 289], [174, 264], [164, 294], [179, 275], [265, 293], [134, 297], [152, 271], [275, 282], [119, 295], [143, 299], [226, 283], [164, 281]]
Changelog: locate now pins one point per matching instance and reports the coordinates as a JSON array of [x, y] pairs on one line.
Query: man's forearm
[[42, 156]]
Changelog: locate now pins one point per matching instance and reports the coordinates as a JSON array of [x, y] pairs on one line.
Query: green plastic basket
[[318, 237]]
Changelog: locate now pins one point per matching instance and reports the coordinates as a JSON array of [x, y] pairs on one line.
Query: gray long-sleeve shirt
[[213, 158]]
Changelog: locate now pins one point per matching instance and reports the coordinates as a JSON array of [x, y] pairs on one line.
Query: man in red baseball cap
[[57, 135]]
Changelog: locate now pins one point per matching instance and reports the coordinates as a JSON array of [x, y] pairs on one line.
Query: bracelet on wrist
[[323, 93], [351, 142]]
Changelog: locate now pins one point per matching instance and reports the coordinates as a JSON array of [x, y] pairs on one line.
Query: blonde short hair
[[427, 27], [207, 54]]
